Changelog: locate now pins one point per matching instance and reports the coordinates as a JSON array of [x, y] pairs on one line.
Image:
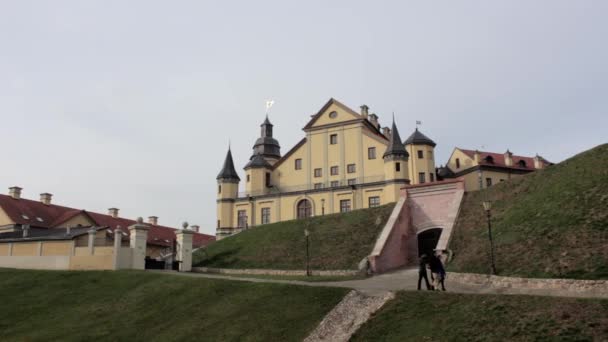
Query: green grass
[[551, 223], [428, 316], [138, 306], [338, 241]]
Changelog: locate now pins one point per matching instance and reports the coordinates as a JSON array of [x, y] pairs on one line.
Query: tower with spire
[[422, 151], [267, 146], [227, 192], [395, 157]]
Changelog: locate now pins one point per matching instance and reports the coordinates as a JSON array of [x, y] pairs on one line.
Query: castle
[[346, 161]]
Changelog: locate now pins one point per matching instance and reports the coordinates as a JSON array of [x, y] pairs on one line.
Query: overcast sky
[[131, 104]]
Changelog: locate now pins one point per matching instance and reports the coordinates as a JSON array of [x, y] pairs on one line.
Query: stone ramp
[[345, 319]]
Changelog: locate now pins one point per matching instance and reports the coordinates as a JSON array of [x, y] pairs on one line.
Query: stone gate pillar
[[184, 249], [117, 246], [139, 237]]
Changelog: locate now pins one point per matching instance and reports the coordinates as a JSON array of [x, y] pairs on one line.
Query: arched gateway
[[427, 240]]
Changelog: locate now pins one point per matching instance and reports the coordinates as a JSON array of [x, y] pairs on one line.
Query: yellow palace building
[[346, 161]]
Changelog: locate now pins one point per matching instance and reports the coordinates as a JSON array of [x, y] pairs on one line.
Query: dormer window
[[522, 163], [489, 159]]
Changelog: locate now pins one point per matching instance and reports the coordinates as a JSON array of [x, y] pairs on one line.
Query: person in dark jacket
[[437, 271], [422, 272]]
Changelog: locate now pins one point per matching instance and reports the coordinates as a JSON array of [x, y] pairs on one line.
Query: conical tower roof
[[395, 146], [228, 172], [417, 138]]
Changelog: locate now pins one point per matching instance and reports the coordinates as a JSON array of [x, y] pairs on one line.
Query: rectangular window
[[242, 218], [344, 206], [333, 139], [422, 178], [502, 180], [318, 185], [374, 201], [218, 223], [371, 153], [333, 171], [318, 173], [457, 163], [432, 177], [298, 164], [265, 215], [248, 178], [488, 182], [352, 181], [397, 167], [335, 184], [351, 168], [267, 179], [219, 189], [420, 154]]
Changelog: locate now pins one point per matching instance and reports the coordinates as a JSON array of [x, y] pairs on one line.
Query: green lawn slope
[[337, 241], [432, 316], [138, 306], [551, 223]]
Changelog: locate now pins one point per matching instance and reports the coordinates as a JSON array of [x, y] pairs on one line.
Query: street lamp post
[[322, 206], [307, 233], [487, 206]]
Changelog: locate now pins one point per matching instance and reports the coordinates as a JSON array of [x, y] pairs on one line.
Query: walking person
[[422, 274], [438, 272]]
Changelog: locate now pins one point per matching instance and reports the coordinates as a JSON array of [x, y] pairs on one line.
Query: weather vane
[[418, 123], [269, 104]]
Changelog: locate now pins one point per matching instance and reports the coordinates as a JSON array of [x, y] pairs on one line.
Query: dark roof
[[54, 215], [228, 171], [445, 172], [498, 159], [266, 122], [395, 147], [37, 234], [257, 161], [417, 138]]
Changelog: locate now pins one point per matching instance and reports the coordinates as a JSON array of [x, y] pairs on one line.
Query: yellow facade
[[338, 166]]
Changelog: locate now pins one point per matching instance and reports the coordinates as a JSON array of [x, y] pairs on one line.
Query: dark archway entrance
[[427, 241]]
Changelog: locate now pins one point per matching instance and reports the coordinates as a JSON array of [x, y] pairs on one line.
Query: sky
[[132, 104]]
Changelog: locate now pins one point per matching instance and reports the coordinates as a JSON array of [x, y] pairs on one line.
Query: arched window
[[489, 160], [522, 163], [304, 209]]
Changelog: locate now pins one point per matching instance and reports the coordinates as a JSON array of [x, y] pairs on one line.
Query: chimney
[[373, 118], [195, 227], [538, 162], [364, 111], [113, 212], [26, 230], [386, 131], [508, 158], [15, 192], [153, 220], [476, 156], [46, 198]]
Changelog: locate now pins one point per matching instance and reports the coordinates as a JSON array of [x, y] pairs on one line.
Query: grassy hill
[[551, 223], [337, 241], [138, 306], [432, 316]]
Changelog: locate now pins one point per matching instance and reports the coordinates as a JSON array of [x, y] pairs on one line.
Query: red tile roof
[[498, 159], [52, 216]]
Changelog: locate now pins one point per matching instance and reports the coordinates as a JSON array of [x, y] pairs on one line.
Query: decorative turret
[[227, 191], [422, 164], [267, 146], [395, 157]]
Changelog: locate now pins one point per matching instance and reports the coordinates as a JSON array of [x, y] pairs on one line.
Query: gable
[[80, 219], [333, 112], [4, 219], [465, 161]]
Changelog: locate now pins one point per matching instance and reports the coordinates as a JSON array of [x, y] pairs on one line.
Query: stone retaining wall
[[574, 287], [274, 272]]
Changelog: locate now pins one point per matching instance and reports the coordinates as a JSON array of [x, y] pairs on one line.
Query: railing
[[274, 189]]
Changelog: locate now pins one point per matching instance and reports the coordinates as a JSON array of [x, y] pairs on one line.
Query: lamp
[[487, 206]]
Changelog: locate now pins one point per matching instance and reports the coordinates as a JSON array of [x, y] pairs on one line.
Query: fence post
[[184, 249], [91, 244], [139, 238], [117, 246]]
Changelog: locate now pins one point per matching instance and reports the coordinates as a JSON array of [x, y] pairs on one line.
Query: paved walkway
[[405, 279]]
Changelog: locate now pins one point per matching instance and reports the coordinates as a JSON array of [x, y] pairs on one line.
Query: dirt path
[[405, 279]]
